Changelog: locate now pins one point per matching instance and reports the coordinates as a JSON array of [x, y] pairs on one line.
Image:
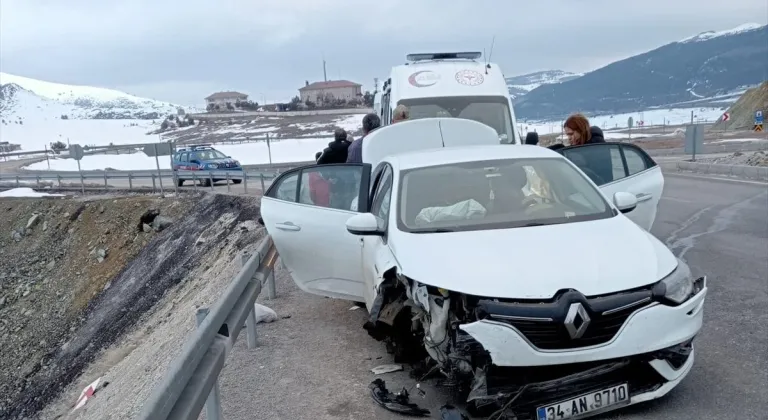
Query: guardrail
[[192, 379], [207, 178]]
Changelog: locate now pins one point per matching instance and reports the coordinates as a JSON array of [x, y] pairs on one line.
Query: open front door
[[305, 211], [618, 167]]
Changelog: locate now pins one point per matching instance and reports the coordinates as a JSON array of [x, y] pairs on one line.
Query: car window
[[331, 186], [381, 199], [286, 188], [602, 163], [496, 194], [635, 162], [184, 157]]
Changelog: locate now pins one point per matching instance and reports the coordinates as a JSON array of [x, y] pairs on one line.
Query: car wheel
[[180, 182], [207, 182], [237, 181]]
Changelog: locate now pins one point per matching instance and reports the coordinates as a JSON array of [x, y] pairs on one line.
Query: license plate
[[585, 404]]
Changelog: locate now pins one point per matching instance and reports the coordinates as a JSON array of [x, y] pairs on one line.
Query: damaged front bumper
[[645, 330]]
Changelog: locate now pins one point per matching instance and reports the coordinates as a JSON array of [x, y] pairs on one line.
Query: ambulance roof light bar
[[472, 55]]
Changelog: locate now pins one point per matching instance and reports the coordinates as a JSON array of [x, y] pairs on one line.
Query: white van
[[450, 85]]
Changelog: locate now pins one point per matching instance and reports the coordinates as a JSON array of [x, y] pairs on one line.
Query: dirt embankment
[[743, 111], [76, 275]]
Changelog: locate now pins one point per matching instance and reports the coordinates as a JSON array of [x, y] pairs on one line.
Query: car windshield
[[209, 155], [490, 110], [496, 194]]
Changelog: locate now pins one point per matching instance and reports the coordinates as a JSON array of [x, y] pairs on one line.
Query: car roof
[[448, 155]]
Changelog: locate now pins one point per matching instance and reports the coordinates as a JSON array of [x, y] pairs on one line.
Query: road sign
[[726, 117], [758, 128], [630, 122], [158, 149], [694, 139], [76, 151], [758, 117], [641, 123]]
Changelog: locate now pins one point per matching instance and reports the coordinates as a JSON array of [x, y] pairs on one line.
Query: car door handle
[[643, 197], [287, 226]]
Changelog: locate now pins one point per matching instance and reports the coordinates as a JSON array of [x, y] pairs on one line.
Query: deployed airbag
[[463, 210]]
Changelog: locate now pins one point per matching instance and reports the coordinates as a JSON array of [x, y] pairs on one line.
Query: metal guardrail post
[[154, 187], [250, 321], [213, 403], [106, 185], [37, 178], [82, 180], [227, 181], [18, 184], [210, 177], [130, 181], [245, 182], [194, 181], [262, 183], [271, 289], [58, 178]]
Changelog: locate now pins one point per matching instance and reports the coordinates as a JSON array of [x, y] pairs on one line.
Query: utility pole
[[325, 74]]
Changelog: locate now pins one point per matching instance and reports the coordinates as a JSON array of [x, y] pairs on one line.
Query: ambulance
[[453, 84]]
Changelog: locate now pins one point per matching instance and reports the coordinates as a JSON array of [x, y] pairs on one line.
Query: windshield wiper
[[436, 230]]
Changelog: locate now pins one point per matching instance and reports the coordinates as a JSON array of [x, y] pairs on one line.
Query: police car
[[203, 157]]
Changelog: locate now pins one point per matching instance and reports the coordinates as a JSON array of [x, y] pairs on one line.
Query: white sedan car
[[527, 275]]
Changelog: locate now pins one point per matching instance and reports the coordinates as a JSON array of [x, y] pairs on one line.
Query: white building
[[222, 98], [338, 89]]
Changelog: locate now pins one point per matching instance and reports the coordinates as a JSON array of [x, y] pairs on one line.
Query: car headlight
[[678, 286], [212, 166]]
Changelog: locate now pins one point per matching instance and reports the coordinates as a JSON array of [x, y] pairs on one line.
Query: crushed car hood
[[596, 257]]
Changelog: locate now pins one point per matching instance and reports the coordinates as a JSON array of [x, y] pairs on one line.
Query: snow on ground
[[35, 134], [653, 117], [287, 150], [704, 36], [739, 140], [26, 192]]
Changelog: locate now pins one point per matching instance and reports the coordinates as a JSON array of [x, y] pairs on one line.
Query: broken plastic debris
[[449, 412], [397, 403], [264, 314], [354, 308], [88, 392], [379, 370]]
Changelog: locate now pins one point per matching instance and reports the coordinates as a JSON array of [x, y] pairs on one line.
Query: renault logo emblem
[[576, 320]]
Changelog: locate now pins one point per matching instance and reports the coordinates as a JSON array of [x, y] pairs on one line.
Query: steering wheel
[[597, 179]]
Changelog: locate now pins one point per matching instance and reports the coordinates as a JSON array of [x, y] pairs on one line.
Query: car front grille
[[552, 335]]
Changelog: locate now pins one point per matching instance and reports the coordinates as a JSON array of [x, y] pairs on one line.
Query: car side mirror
[[364, 224], [624, 201]]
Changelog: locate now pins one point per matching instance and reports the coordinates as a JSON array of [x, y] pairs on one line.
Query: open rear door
[[619, 167], [423, 134]]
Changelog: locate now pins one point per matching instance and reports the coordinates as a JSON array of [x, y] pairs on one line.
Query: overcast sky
[[183, 50]]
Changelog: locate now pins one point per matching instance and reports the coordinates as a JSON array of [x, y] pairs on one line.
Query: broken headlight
[[678, 286]]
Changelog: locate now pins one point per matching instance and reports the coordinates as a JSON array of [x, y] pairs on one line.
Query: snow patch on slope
[[705, 36], [520, 85]]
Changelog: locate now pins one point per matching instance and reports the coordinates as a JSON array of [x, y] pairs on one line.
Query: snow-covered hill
[[704, 36], [520, 85], [30, 98]]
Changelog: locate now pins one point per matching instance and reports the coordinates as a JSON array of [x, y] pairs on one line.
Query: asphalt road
[[315, 364]]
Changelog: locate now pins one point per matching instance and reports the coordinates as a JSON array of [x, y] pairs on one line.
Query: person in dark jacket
[[596, 163], [355, 153], [532, 138], [336, 152]]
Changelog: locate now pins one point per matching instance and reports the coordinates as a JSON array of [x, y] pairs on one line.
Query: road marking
[[717, 178]]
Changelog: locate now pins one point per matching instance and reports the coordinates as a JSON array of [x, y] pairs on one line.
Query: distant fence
[[308, 113], [100, 180]]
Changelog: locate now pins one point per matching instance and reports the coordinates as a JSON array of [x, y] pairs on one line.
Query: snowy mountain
[[24, 98], [706, 69], [520, 85]]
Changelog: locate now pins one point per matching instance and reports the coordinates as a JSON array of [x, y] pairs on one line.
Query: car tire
[[237, 181], [207, 182], [180, 182]]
